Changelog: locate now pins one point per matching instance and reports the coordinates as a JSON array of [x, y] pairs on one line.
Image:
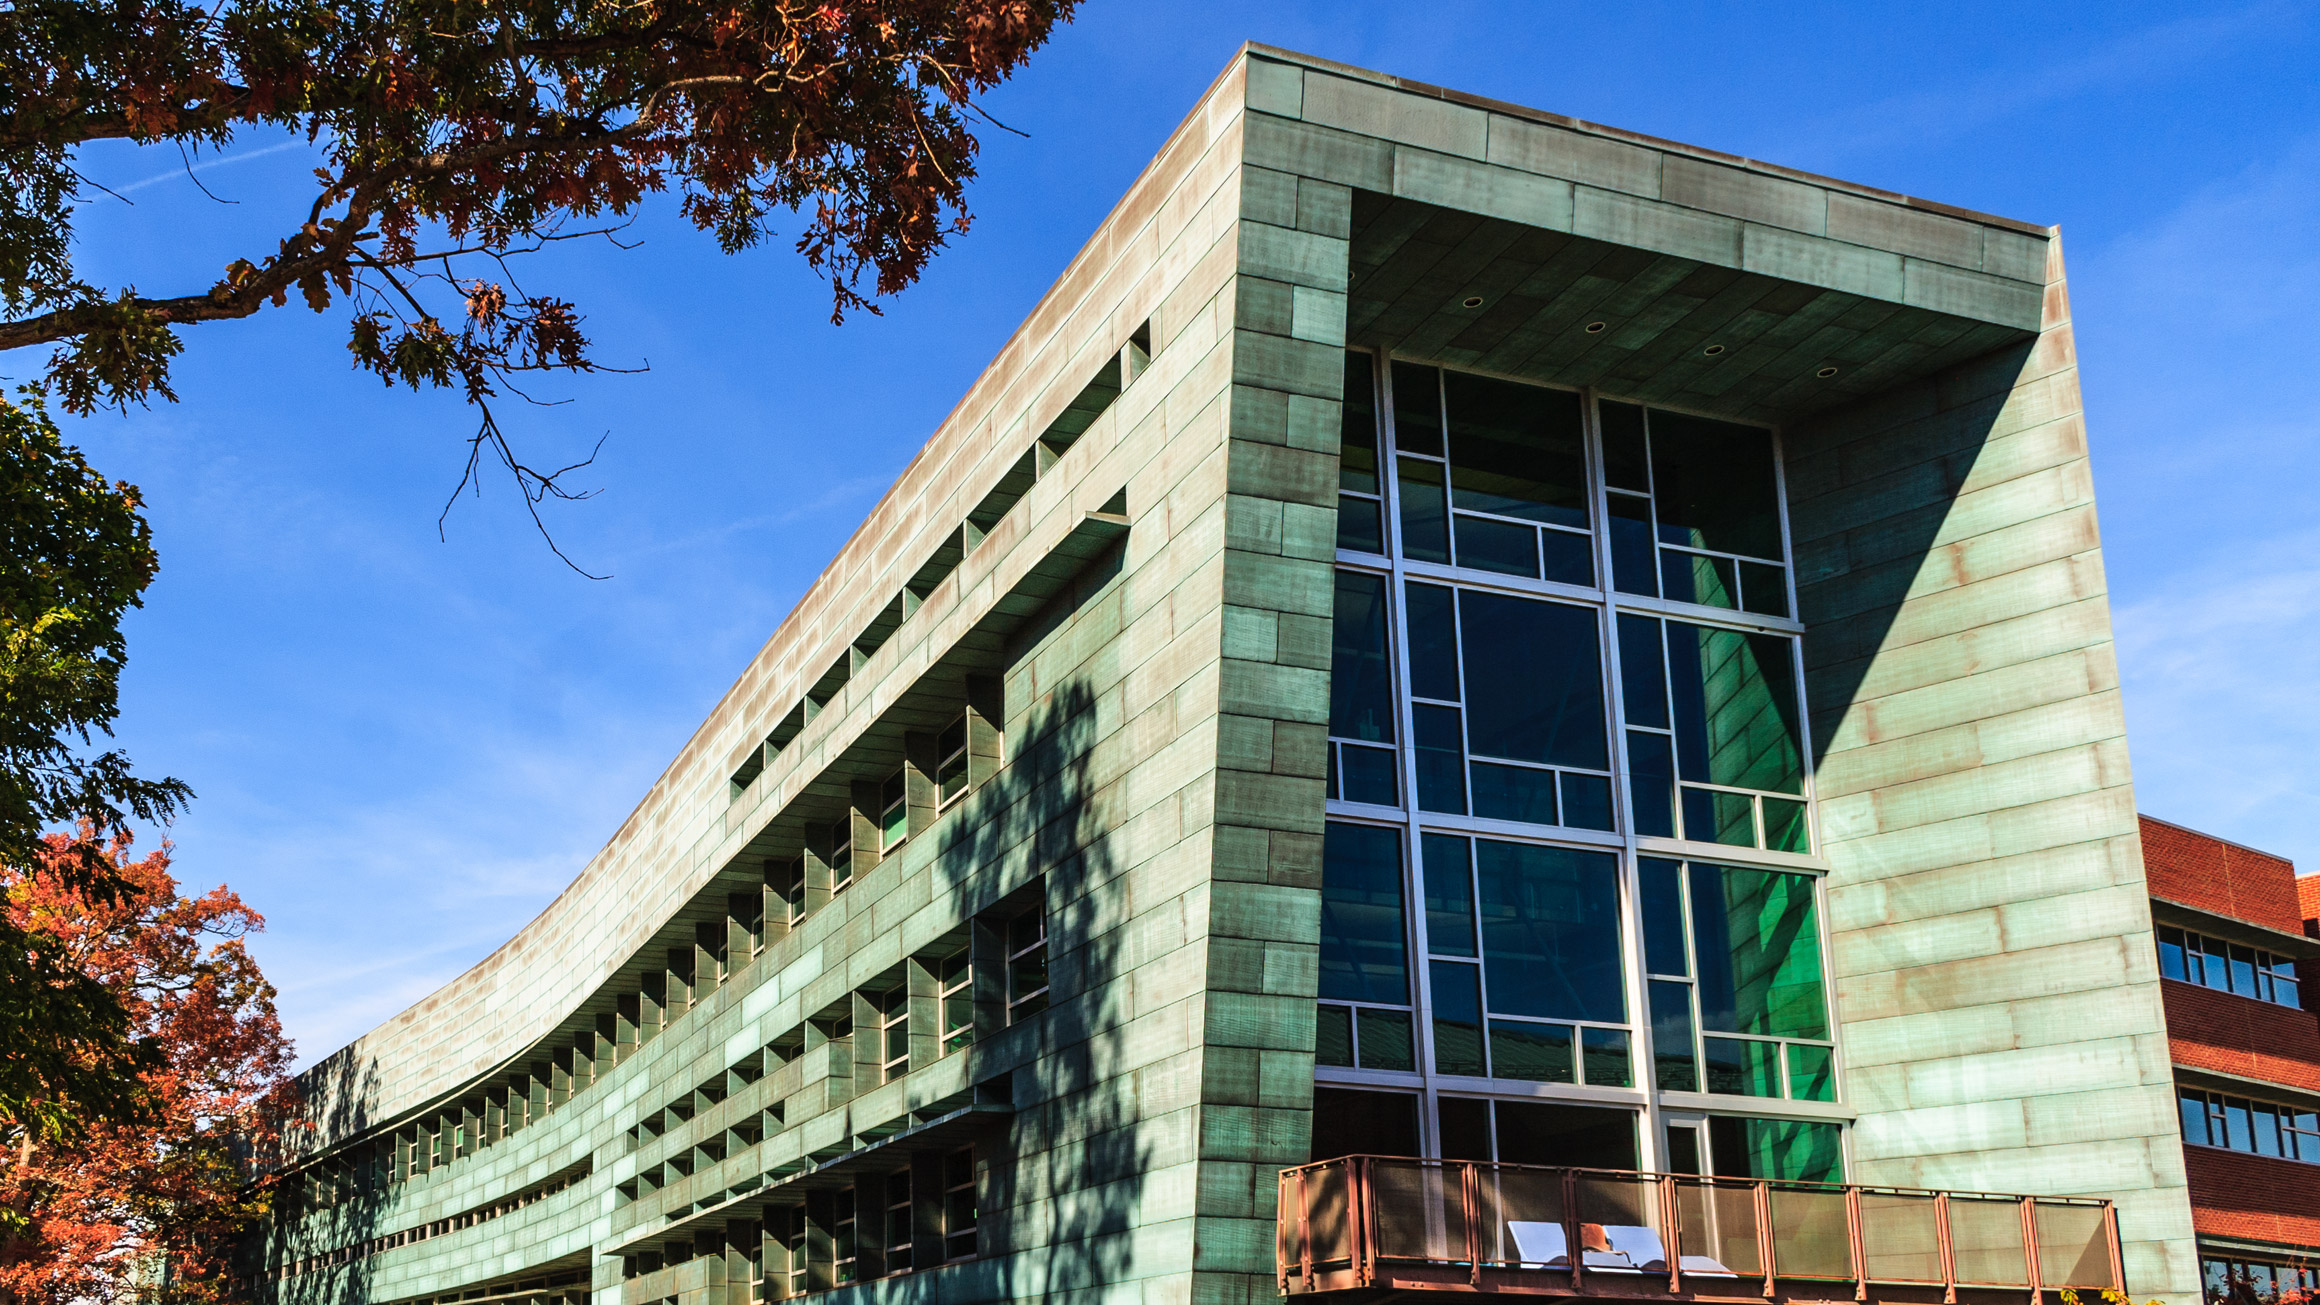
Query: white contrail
[[206, 164]]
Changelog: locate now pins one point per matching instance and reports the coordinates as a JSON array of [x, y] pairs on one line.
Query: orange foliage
[[123, 1203]]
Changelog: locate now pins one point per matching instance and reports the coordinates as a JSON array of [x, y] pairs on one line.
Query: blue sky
[[405, 746]]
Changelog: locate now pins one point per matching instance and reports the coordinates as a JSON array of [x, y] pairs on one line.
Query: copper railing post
[[1470, 1203], [2111, 1234], [1364, 1244], [1764, 1234], [1305, 1227], [2030, 1268], [1946, 1248], [1859, 1252], [1574, 1245], [1671, 1238]]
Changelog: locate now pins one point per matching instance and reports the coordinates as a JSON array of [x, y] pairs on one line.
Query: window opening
[[844, 1256], [1695, 509], [2255, 1127], [1027, 964], [893, 1006], [893, 812], [958, 1210], [841, 854], [2228, 967], [898, 1231], [1360, 499], [1364, 1020], [951, 770], [1361, 695], [955, 1001]]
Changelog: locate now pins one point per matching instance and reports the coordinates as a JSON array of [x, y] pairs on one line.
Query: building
[[2238, 935], [1451, 631]]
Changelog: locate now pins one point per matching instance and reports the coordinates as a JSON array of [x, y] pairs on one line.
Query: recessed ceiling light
[[1712, 350], [1596, 328], [1826, 372], [1473, 301]]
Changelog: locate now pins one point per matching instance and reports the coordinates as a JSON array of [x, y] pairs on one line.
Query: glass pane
[[1362, 954], [1359, 524], [1651, 783], [1457, 993], [1441, 759], [1425, 513], [1634, 562], [1586, 1137], [1662, 885], [1812, 1072], [1385, 1040], [1586, 801], [1738, 1067], [1693, 578], [1784, 826], [1759, 952], [1735, 708], [1500, 546], [1514, 793], [1714, 486], [1550, 931], [2193, 1110], [1449, 880], [1537, 1053], [1624, 464], [1417, 408], [2243, 972], [1570, 559], [1713, 817], [1333, 1036], [1671, 1037], [1642, 672], [1357, 461], [953, 778], [1361, 692], [1368, 776], [1516, 450], [1764, 589], [1776, 1148], [1433, 631], [1607, 1062], [1348, 1122], [1534, 679], [1465, 1125]]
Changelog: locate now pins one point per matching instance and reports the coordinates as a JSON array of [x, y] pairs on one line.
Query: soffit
[[1414, 266]]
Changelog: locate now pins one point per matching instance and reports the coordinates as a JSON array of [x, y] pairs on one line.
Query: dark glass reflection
[[1534, 676], [1501, 546], [1361, 692], [1776, 1148], [1634, 568], [1673, 1067], [1516, 450], [1418, 409], [1448, 871], [1362, 952], [1534, 1053], [1433, 630], [1624, 463], [1662, 885], [1457, 995], [1735, 708], [1357, 460], [1550, 931], [1465, 1127], [1586, 1137], [1441, 759], [1714, 485], [1425, 513], [1651, 783], [1347, 1122]]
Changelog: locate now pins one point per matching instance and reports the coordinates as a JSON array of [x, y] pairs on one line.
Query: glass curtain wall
[[1570, 908]]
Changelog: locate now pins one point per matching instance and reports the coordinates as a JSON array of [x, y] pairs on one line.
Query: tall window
[[897, 1221], [959, 1213], [955, 1001], [1027, 963], [893, 1006], [1568, 905], [841, 854], [893, 812], [950, 775], [845, 1253], [2256, 1127]]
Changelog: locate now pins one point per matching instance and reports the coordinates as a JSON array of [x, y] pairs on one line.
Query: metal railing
[[1383, 1221]]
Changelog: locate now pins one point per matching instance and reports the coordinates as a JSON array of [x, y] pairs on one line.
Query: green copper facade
[[979, 946]]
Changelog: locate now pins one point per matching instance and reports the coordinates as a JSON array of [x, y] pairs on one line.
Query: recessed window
[[845, 1257], [893, 1007], [951, 770], [2228, 967], [955, 1001], [841, 854], [893, 812], [897, 1210], [1027, 964], [959, 1213]]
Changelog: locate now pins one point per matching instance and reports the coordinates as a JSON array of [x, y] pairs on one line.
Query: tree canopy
[[458, 134], [147, 1208]]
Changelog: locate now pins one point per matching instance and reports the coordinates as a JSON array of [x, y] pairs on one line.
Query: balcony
[[1378, 1224]]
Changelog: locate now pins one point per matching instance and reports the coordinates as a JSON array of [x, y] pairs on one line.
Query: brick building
[[1575, 664], [2239, 936]]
